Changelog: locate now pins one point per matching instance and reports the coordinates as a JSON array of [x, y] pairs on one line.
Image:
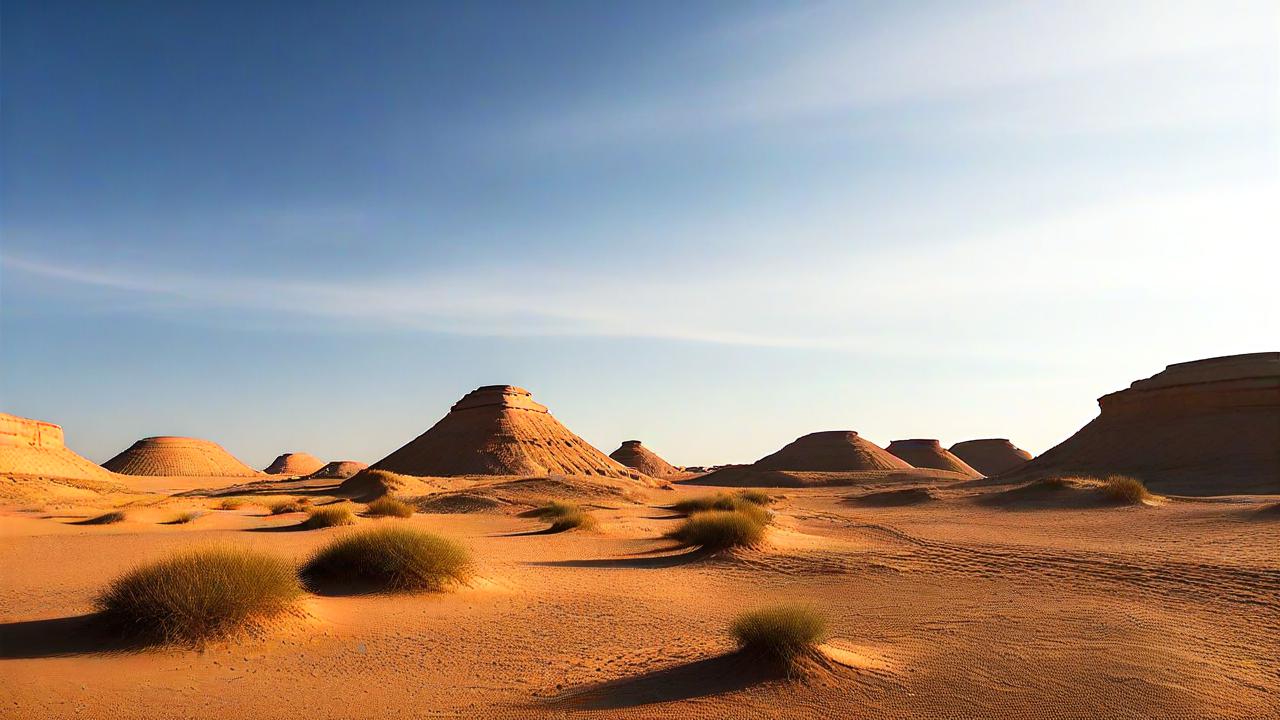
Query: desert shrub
[[1125, 489], [395, 558], [329, 516], [720, 529], [554, 509], [564, 515], [231, 503], [387, 506], [109, 518], [1056, 481], [751, 499], [370, 484], [756, 497], [198, 595], [289, 505], [184, 517], [782, 633]]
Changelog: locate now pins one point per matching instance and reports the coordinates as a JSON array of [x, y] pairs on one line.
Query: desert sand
[[298, 463], [946, 595]]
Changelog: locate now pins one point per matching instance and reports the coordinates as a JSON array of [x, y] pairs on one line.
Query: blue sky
[[713, 226]]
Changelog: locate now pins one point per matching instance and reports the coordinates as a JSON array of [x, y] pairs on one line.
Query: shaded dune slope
[[990, 456], [930, 454]]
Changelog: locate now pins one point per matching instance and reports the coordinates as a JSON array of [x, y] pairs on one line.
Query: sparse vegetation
[[723, 501], [184, 517], [370, 484], [782, 633], [199, 595], [564, 515], [1125, 489], [329, 516], [395, 559], [720, 529], [289, 505], [387, 506], [231, 503], [108, 518], [758, 497]]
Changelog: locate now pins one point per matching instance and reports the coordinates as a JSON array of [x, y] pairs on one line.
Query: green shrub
[[198, 595], [782, 633], [720, 529], [329, 516], [395, 558], [387, 506]]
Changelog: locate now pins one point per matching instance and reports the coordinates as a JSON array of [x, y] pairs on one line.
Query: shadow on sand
[[63, 637], [646, 559], [700, 678]]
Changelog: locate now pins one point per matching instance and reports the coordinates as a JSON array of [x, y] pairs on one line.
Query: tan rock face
[[294, 464], [500, 430], [33, 448], [1205, 427], [930, 454], [635, 455], [990, 456], [191, 457], [830, 451]]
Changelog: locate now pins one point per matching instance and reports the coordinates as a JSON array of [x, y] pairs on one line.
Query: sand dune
[[294, 464], [990, 456], [930, 454], [339, 470], [178, 457]]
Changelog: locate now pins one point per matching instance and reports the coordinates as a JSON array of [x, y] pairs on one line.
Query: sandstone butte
[[33, 448], [925, 453], [635, 455], [178, 456], [294, 464], [990, 456]]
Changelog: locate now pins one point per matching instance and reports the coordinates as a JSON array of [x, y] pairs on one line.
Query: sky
[[712, 226]]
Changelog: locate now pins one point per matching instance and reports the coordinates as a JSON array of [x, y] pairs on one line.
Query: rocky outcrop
[[178, 456], [1205, 427], [923, 453], [636, 456], [294, 464], [990, 456], [500, 430], [830, 451], [33, 448]]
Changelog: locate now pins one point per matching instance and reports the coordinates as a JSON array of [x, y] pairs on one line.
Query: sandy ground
[[946, 609]]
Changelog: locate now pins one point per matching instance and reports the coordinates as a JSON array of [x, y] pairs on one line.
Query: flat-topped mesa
[[990, 456], [929, 453], [635, 455], [294, 464], [178, 456], [500, 430], [34, 448], [1205, 427], [830, 451]]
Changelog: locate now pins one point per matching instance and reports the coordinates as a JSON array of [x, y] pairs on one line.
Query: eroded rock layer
[[990, 456], [294, 464], [190, 457], [1206, 427], [33, 448], [500, 430], [930, 454], [635, 455]]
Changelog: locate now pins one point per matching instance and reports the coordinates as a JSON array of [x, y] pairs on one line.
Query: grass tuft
[[564, 515], [782, 633], [231, 503], [393, 559], [720, 529], [109, 518], [198, 595], [387, 506], [329, 516], [1125, 489], [289, 505], [184, 517]]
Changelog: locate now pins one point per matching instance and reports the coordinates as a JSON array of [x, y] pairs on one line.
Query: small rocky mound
[[894, 498], [635, 455], [294, 464], [990, 456], [338, 470], [930, 454], [831, 451], [178, 456], [500, 430]]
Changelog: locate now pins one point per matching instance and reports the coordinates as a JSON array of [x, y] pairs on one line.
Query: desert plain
[[1046, 590]]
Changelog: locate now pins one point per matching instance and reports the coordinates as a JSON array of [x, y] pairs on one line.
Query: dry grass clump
[[329, 516], [1125, 489], [289, 505], [722, 501], [720, 529], [394, 559], [198, 595], [387, 506], [184, 517], [564, 515], [109, 518], [781, 633], [231, 503]]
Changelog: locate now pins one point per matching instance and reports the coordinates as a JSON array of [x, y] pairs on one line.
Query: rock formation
[[830, 451], [635, 455], [1205, 427], [338, 470], [930, 454], [500, 430], [990, 456], [190, 457], [295, 464], [32, 448]]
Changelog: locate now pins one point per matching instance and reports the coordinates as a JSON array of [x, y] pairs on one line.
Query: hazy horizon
[[713, 227]]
